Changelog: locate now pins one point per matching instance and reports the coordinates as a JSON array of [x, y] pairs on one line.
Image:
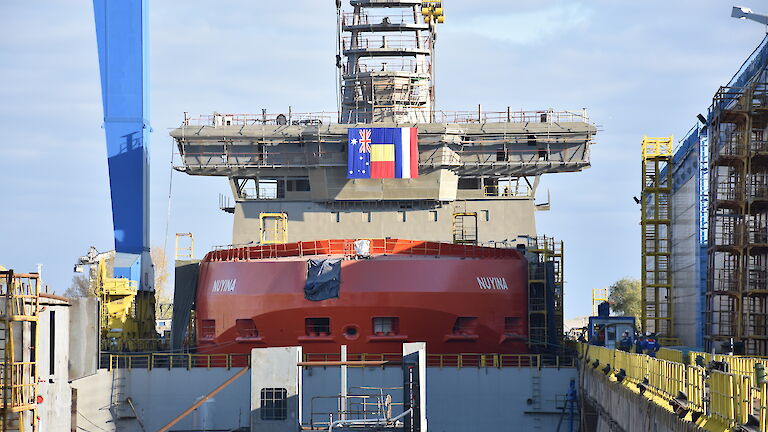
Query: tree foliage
[[160, 263], [80, 287], [625, 297]]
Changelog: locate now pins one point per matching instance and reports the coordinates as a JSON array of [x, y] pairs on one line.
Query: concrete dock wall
[[159, 395], [621, 409], [457, 399]]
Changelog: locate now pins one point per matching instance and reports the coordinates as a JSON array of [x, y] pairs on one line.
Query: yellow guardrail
[[764, 407], [177, 360], [666, 378], [695, 386], [670, 354], [463, 360], [713, 399]]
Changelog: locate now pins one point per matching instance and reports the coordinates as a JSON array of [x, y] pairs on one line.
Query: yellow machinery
[[433, 11], [127, 314], [19, 310], [655, 222]]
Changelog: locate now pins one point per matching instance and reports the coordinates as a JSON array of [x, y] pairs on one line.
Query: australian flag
[[382, 153]]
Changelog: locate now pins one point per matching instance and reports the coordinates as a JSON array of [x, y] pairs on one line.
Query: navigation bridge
[[482, 164]]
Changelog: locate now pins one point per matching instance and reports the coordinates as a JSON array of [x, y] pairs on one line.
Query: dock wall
[[619, 409]]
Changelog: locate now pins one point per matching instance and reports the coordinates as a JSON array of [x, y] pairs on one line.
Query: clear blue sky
[[641, 68]]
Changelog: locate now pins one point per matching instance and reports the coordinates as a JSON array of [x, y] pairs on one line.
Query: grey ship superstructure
[[478, 171]]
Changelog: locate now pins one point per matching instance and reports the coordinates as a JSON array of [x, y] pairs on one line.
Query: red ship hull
[[458, 299]]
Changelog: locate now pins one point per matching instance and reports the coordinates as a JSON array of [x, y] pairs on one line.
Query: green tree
[[625, 298]]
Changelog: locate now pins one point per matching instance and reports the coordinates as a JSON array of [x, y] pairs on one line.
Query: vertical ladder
[[536, 397], [656, 222], [464, 225]]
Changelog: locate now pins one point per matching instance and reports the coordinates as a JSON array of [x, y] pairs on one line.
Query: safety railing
[[377, 41], [440, 116], [460, 360], [176, 360], [484, 360], [666, 378], [346, 247], [763, 415], [696, 387], [727, 397], [670, 354], [393, 18]]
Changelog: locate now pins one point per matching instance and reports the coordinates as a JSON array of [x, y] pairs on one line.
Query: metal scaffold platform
[[737, 296], [655, 222]]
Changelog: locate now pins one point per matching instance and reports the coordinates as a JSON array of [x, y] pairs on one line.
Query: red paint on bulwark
[[457, 298]]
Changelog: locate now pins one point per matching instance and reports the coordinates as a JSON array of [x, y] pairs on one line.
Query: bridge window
[[386, 326], [297, 184], [274, 404], [466, 183], [271, 188], [317, 326]]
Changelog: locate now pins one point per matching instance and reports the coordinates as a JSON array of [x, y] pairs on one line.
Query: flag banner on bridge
[[382, 153]]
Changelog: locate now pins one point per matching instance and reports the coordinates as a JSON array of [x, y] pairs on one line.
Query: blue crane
[[122, 37]]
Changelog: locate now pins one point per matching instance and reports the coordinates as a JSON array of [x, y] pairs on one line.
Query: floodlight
[[746, 13]]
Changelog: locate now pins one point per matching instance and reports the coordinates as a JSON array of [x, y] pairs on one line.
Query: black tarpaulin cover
[[323, 279]]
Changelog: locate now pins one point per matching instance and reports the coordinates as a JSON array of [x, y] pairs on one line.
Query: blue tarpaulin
[[323, 279]]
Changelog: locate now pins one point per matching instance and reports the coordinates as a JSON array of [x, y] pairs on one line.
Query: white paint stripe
[[405, 151]]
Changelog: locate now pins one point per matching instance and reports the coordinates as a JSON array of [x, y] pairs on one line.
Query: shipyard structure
[[385, 272], [421, 222], [705, 256]]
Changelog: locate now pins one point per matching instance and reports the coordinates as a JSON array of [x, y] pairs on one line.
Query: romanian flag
[[382, 153]]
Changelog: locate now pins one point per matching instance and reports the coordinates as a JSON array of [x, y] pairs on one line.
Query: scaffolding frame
[[545, 324], [737, 292], [599, 295], [656, 239], [185, 251], [20, 294]]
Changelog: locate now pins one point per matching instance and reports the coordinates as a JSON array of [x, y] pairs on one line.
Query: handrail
[[724, 398], [177, 360], [370, 421], [440, 116]]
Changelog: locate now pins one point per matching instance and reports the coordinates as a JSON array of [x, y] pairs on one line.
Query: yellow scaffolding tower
[[20, 296], [185, 252], [599, 295], [655, 223]]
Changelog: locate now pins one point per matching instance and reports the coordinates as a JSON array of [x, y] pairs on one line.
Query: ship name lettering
[[224, 285], [492, 283]]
